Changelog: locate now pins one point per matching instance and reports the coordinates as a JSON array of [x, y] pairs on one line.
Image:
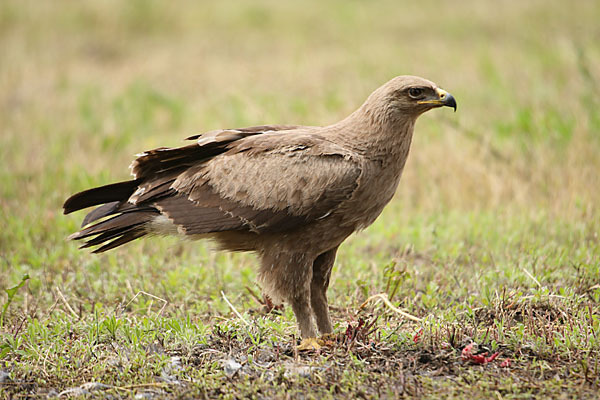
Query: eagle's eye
[[415, 92]]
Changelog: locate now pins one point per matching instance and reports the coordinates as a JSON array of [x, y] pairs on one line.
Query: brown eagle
[[292, 194]]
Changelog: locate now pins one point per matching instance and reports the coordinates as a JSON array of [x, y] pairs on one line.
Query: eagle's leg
[[300, 301], [287, 276], [301, 306], [318, 290]]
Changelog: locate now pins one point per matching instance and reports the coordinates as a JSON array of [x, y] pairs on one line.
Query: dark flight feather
[[100, 195]]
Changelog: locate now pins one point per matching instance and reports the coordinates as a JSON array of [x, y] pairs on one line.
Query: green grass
[[492, 237]]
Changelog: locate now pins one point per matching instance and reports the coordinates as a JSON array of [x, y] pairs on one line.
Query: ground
[[492, 239]]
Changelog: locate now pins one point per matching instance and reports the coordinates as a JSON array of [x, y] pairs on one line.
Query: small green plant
[[111, 325], [11, 292], [394, 277]]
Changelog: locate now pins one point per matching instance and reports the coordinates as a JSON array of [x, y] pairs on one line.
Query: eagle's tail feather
[[125, 237], [120, 229], [120, 191]]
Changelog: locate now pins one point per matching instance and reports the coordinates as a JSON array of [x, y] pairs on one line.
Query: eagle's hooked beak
[[443, 99]]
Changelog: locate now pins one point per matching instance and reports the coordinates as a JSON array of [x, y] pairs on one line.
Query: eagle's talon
[[310, 344]]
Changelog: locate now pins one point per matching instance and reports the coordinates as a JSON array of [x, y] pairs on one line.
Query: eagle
[[291, 194]]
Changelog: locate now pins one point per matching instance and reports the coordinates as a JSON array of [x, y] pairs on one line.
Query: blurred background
[[85, 85]]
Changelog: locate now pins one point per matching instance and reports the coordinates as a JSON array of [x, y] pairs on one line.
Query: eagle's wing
[[228, 181], [270, 184]]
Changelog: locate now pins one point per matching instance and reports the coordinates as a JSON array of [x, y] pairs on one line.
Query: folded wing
[[229, 181]]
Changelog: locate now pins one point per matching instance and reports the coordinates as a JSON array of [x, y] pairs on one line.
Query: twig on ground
[[234, 310], [254, 295], [165, 302], [142, 385], [552, 296], [532, 277], [383, 297], [65, 302]]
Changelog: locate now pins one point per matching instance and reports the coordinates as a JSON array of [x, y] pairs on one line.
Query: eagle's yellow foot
[[310, 344]]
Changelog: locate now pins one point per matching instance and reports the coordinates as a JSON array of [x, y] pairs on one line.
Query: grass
[[492, 237]]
